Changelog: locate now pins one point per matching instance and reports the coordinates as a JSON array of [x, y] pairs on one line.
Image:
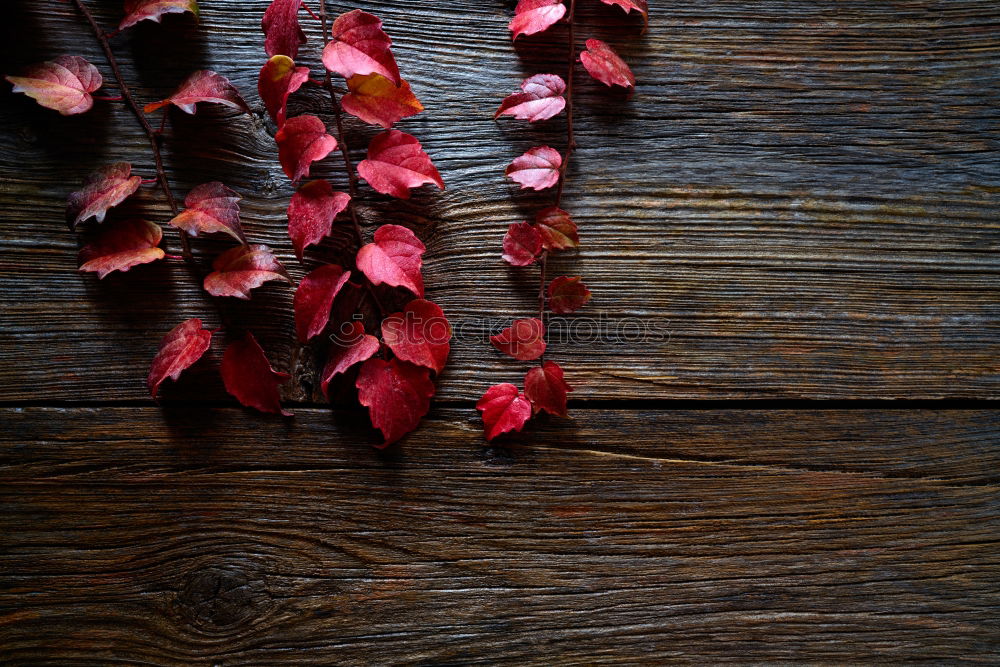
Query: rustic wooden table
[[802, 197]]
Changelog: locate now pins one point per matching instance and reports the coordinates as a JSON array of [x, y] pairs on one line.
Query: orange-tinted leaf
[[557, 229], [541, 98], [211, 207], [121, 246], [202, 86], [247, 375], [314, 299], [243, 268], [351, 345], [378, 101], [603, 64], [396, 393], [279, 78], [105, 188], [301, 141], [531, 16], [360, 46], [546, 389], [179, 349], [394, 258], [537, 169], [63, 84], [504, 409], [521, 244], [311, 213], [641, 6], [419, 335], [153, 10], [524, 339], [282, 32], [567, 294], [396, 163]]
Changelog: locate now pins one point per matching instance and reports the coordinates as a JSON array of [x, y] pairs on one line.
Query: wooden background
[[801, 198]]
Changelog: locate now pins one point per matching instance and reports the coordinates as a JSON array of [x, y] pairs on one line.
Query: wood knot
[[221, 597]]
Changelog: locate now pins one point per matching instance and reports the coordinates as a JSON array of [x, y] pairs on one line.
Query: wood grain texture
[[801, 197]]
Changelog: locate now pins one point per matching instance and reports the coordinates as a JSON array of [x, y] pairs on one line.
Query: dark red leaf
[[504, 409], [378, 101], [121, 246], [202, 86], [351, 345], [153, 10], [531, 16], [396, 163], [314, 299], [524, 339], [211, 207], [546, 389], [311, 213], [557, 229], [105, 188], [394, 258], [282, 32], [640, 6], [537, 169], [279, 78], [179, 349], [396, 393], [419, 335], [541, 99], [360, 46], [567, 294], [301, 141], [603, 64], [243, 268], [247, 375], [521, 244], [63, 84]]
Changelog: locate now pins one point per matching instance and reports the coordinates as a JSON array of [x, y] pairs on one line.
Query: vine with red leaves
[[506, 408]]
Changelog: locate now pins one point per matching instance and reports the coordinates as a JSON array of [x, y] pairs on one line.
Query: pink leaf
[[521, 244], [179, 349], [532, 16], [546, 389], [640, 6], [360, 46], [567, 294], [557, 229], [121, 246], [394, 258], [350, 346], [311, 213], [247, 375], [211, 207], [524, 339], [396, 163], [202, 86], [378, 101], [397, 395], [105, 188], [504, 409], [243, 268], [279, 78], [63, 84], [282, 32], [541, 99], [537, 169], [301, 141], [314, 299], [419, 335], [603, 64], [153, 10]]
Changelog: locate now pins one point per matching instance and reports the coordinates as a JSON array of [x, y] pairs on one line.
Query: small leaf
[[153, 10], [202, 86], [640, 6], [396, 163], [397, 395], [105, 188], [360, 46], [211, 208], [557, 229], [532, 16], [567, 294], [603, 64], [282, 32], [545, 388], [247, 375], [521, 244], [349, 347], [314, 299], [243, 268], [419, 335], [524, 339], [394, 258], [179, 349], [311, 213], [279, 78], [541, 99], [121, 246], [537, 169], [378, 101], [63, 84], [504, 409], [301, 141]]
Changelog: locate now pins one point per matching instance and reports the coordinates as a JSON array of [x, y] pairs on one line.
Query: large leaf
[[419, 335], [524, 339], [567, 294], [105, 188], [211, 208], [314, 299], [351, 345], [121, 246], [282, 33], [546, 389], [247, 375], [394, 258], [396, 162], [202, 86], [533, 16], [301, 141], [541, 98], [557, 229], [360, 46], [521, 244], [311, 213], [378, 101], [601, 61], [279, 78], [397, 395], [537, 169], [504, 409], [243, 268], [64, 84]]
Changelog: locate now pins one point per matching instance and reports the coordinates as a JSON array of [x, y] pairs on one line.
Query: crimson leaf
[[314, 299], [541, 98], [396, 393], [350, 346], [396, 162], [605, 65], [378, 101], [504, 409], [567, 294], [247, 375], [179, 349], [360, 46], [211, 207], [202, 86], [537, 169], [105, 188], [521, 244], [394, 258], [63, 84], [279, 78], [524, 339], [311, 213], [153, 10], [419, 335], [301, 141], [546, 389], [243, 268], [121, 246], [557, 229], [282, 33], [531, 16]]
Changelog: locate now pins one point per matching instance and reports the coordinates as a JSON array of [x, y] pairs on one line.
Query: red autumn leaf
[[243, 268], [537, 169], [202, 86], [378, 101], [314, 299], [504, 409], [301, 141], [640, 6], [521, 244], [524, 339], [153, 10], [179, 349], [311, 213], [567, 294], [360, 46], [350, 346], [603, 64], [105, 188], [282, 32], [279, 78], [394, 258], [541, 99], [419, 335], [545, 388], [211, 207], [247, 375], [396, 163], [121, 246], [557, 229], [396, 393], [63, 84], [531, 16]]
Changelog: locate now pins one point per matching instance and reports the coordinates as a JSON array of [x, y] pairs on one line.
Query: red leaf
[[394, 258], [396, 163], [360, 46], [521, 244], [279, 78], [545, 388], [420, 335], [378, 101], [557, 229], [179, 349], [533, 16], [211, 207], [537, 169], [105, 188], [524, 339], [640, 6], [282, 33], [567, 294], [396, 393], [301, 141], [504, 409], [121, 246], [202, 86], [542, 99], [349, 347], [63, 84], [243, 268], [311, 213], [153, 10], [247, 375], [314, 299], [603, 64]]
